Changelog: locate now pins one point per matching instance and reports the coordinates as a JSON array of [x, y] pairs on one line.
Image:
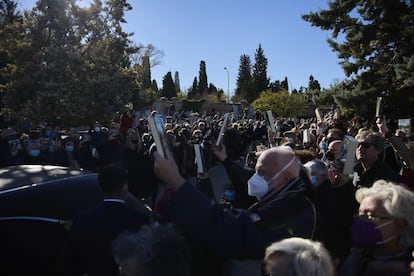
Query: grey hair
[[137, 244], [309, 258], [398, 201], [159, 248], [374, 137]]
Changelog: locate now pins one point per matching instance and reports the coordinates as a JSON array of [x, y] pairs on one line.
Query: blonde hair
[[399, 203], [309, 258]]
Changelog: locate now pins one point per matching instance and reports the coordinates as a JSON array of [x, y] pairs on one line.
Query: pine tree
[[54, 66], [244, 78], [11, 41], [373, 40], [72, 63], [260, 80]]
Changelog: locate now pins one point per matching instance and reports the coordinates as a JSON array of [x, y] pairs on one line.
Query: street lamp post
[[228, 84]]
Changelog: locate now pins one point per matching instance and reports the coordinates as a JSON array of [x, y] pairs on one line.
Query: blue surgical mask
[[229, 195], [314, 180], [34, 152], [69, 148], [323, 145]]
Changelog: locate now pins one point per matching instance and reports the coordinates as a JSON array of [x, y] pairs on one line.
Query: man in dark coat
[[282, 209], [88, 247], [5, 154], [370, 167]]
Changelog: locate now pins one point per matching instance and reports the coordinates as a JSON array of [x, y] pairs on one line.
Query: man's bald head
[[274, 160]]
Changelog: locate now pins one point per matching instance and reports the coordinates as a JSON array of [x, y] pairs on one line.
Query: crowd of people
[[305, 196]]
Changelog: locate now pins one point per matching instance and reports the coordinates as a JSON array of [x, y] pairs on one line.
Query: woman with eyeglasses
[[383, 231]]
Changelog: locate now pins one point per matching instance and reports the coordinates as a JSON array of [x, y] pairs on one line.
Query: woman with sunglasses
[[383, 231]]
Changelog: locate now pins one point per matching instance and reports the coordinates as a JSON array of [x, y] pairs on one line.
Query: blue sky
[[220, 31]]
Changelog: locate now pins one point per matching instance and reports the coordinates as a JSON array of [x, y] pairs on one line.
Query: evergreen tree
[[202, 77], [53, 62], [154, 85], [71, 63], [146, 73], [374, 41], [314, 84], [284, 84], [168, 87], [11, 42], [194, 88], [212, 89], [260, 80], [275, 86], [177, 82], [244, 78]]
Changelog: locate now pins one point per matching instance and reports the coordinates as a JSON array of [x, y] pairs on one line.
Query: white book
[[271, 120], [199, 158], [156, 124], [306, 136], [350, 146], [222, 129]]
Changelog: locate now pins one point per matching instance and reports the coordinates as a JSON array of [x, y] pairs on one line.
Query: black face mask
[[330, 156]]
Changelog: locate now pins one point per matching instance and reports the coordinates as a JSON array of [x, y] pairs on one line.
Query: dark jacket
[[379, 170], [361, 262], [88, 247], [5, 155], [236, 233], [239, 176]]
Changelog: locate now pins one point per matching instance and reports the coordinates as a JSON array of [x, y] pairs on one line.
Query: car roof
[[23, 176]]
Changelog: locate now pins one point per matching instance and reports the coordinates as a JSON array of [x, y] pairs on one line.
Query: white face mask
[[258, 186]]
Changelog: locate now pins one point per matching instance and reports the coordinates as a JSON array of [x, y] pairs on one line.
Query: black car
[[37, 203]]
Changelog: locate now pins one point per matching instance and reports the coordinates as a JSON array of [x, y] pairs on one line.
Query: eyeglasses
[[369, 217], [365, 145]]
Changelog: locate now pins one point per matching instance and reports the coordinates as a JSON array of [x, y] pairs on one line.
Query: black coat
[[379, 170], [88, 247]]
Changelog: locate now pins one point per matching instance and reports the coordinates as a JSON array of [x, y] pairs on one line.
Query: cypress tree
[[202, 77]]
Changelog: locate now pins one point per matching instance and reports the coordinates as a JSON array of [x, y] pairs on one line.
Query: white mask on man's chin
[[259, 187]]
